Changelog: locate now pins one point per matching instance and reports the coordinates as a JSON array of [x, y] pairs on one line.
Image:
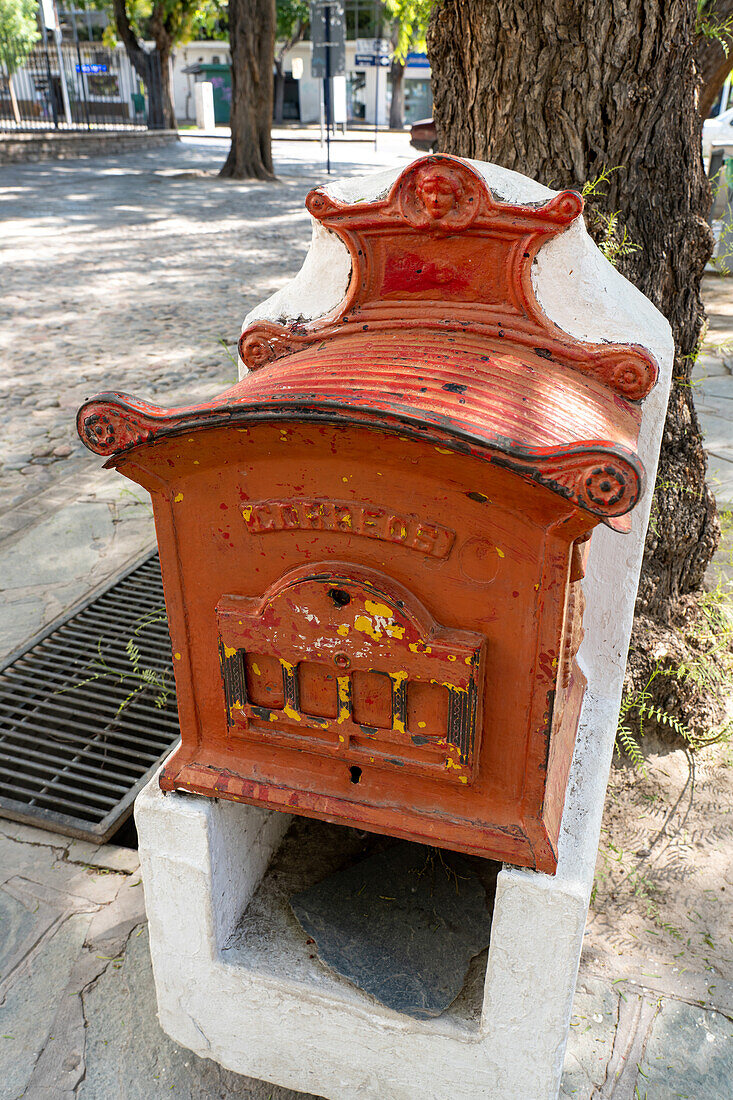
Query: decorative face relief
[[349, 663], [439, 198]]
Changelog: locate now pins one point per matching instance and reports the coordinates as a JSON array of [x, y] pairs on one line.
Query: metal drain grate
[[80, 731]]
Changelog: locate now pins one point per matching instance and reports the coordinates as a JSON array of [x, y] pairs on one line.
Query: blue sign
[[371, 60], [86, 68], [418, 61]]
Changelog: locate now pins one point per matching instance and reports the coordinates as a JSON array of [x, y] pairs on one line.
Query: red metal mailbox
[[372, 545]]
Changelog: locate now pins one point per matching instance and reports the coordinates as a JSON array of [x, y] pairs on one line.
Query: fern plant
[[139, 677]]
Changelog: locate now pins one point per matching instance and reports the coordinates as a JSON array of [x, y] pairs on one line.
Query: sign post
[[328, 35], [50, 22], [373, 53]]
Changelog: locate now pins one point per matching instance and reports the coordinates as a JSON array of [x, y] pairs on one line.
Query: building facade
[[365, 88]]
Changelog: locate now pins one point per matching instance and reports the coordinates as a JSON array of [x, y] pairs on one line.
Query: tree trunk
[[169, 111], [397, 105], [279, 90], [252, 43], [560, 91], [145, 64], [713, 62], [13, 100]]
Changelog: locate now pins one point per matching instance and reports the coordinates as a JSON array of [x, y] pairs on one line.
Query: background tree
[[168, 23], [409, 23], [292, 26], [713, 55], [564, 92], [252, 26], [18, 34]]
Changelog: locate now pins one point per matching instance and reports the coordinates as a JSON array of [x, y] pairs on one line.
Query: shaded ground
[[131, 273]]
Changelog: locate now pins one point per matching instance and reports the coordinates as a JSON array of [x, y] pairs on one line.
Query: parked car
[[423, 135], [717, 131]]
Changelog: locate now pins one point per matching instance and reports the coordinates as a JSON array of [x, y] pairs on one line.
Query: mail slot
[[373, 545]]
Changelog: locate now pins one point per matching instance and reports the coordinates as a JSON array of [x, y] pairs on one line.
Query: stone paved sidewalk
[[129, 272]]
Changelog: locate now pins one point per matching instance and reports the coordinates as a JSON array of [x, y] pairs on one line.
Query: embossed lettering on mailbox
[[351, 518]]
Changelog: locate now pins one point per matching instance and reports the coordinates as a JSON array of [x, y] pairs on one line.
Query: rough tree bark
[[252, 41], [397, 104], [560, 91], [712, 61]]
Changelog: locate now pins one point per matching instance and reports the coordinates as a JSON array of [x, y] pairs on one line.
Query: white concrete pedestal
[[233, 971]]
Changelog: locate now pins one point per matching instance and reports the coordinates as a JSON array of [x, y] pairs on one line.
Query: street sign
[[417, 61], [328, 35], [373, 45], [372, 60]]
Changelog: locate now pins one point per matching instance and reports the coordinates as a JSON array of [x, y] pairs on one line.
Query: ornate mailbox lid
[[439, 336]]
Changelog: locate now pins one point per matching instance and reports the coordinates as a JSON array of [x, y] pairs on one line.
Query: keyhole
[[339, 597], [355, 774]]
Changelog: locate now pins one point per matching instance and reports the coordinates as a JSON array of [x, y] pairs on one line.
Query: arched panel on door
[[339, 660]]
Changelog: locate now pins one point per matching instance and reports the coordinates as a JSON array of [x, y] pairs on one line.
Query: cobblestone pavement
[[128, 273]]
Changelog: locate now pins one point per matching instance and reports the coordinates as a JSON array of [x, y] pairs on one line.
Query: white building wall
[[376, 91], [216, 53]]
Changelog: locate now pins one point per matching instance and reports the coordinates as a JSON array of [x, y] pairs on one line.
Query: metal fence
[[74, 86]]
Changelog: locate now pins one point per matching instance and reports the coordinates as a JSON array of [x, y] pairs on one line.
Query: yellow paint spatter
[[468, 660], [536, 588], [229, 651], [452, 764], [451, 687], [442, 451], [344, 479], [196, 462], [343, 630], [178, 498], [371, 759], [500, 553], [378, 609], [366, 626], [273, 717], [421, 725], [341, 739], [287, 709], [256, 669], [236, 705], [452, 657], [247, 512], [463, 779], [177, 656], [343, 687]]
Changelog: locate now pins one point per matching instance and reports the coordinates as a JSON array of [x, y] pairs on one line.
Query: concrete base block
[[238, 982]]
